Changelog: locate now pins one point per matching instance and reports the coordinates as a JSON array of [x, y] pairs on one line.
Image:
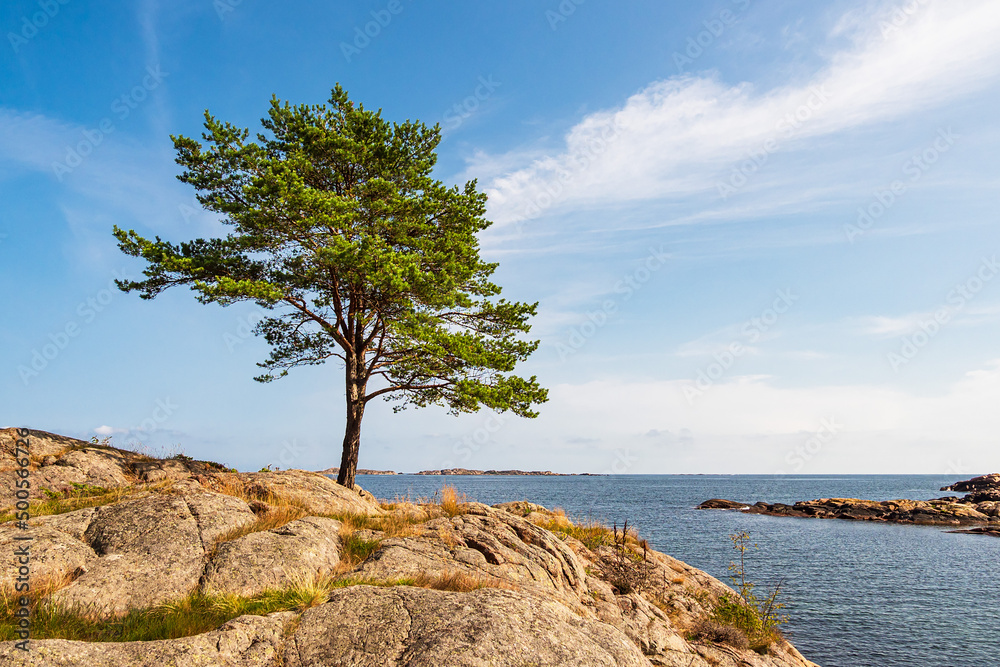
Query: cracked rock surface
[[274, 558], [364, 626], [515, 593]]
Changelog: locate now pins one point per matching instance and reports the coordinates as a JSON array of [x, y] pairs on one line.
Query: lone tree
[[340, 231]]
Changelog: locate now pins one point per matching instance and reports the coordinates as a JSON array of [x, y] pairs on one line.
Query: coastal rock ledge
[[980, 508], [460, 584]]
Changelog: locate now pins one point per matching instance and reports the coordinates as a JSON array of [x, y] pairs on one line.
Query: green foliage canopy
[[341, 232]]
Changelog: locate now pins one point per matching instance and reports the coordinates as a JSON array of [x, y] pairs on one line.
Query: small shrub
[[719, 633], [626, 570], [251, 493], [758, 618]]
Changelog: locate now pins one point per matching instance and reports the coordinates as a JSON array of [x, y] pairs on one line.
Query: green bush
[[757, 618]]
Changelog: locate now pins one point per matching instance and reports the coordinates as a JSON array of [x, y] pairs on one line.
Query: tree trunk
[[352, 434]]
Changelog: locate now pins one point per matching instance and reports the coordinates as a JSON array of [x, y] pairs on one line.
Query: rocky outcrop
[[43, 444], [314, 492], [247, 641], [391, 585], [720, 504], [486, 542], [980, 508], [150, 550], [274, 559], [366, 626], [989, 482], [981, 530]]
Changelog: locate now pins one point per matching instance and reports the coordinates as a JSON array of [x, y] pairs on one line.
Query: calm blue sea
[[859, 594]]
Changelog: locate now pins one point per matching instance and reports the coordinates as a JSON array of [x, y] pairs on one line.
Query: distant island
[[360, 471], [980, 508], [537, 473], [466, 471]]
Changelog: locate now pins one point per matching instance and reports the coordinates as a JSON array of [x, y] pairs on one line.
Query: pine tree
[[358, 253]]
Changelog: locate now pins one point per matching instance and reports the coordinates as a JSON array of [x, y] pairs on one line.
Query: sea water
[[858, 594]]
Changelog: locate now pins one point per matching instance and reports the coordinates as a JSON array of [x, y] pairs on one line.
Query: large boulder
[[274, 559], [150, 549], [40, 445], [316, 493], [55, 556], [247, 641], [484, 542], [89, 465], [366, 626]]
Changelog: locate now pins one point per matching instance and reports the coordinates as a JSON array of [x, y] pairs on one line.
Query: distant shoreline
[[465, 472]]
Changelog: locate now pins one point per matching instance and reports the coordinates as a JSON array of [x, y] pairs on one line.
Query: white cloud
[[680, 135], [108, 431], [753, 424], [884, 326]]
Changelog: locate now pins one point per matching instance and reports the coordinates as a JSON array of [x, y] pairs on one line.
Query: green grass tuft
[[79, 497]]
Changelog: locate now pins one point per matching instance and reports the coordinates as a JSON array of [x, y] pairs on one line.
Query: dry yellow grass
[[394, 524], [276, 517], [41, 588], [461, 582], [451, 499], [253, 494]]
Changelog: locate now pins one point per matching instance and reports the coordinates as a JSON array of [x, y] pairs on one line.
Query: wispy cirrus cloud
[[681, 136]]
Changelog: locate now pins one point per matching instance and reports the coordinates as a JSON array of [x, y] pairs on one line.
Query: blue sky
[[763, 234]]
